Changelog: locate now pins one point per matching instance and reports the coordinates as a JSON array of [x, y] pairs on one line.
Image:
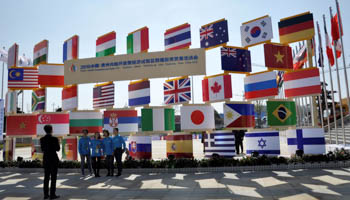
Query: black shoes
[[46, 197], [54, 197]]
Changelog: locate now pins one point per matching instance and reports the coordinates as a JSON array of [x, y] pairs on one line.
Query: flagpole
[[339, 87], [3, 72], [343, 53]]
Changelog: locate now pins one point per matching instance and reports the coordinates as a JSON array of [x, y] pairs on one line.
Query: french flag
[[70, 48], [260, 85]]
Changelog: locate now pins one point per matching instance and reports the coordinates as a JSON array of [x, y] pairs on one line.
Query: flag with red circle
[[197, 117]]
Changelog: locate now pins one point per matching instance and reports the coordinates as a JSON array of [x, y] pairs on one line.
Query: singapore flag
[[197, 117], [58, 121]]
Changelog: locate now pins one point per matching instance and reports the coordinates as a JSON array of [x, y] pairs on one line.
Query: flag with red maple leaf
[[217, 88]]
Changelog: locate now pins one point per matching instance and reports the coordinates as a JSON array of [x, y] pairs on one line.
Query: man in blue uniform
[[108, 152], [84, 151], [119, 147]]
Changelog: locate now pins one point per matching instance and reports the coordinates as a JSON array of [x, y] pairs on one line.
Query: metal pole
[[3, 72], [192, 90], [22, 100]]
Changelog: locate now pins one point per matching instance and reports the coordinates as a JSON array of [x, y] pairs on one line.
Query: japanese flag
[[197, 117]]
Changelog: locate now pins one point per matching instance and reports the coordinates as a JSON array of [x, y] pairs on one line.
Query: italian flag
[[105, 44], [90, 120], [40, 52], [137, 41], [158, 119]]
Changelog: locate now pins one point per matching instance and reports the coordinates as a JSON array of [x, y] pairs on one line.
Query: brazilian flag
[[281, 113]]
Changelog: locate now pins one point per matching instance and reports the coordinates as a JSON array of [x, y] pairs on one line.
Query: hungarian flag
[[21, 125], [80, 120], [281, 113], [239, 115], [278, 56], [217, 87], [140, 147], [41, 51], [69, 148], [157, 119], [329, 48], [58, 121], [70, 97], [51, 75], [137, 41], [105, 44], [124, 119], [179, 146], [38, 99], [12, 56], [71, 48], [197, 117]]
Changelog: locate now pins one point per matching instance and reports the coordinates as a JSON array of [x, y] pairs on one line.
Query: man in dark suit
[[49, 146]]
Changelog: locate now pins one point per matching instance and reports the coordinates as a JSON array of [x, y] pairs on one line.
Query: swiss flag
[[21, 125], [217, 88], [197, 117]]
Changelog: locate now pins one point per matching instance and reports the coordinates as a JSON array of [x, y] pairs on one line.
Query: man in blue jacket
[[84, 151], [119, 147], [108, 152]]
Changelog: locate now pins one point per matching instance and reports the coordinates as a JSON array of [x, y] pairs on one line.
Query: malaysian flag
[[177, 90], [221, 143], [23, 78], [214, 34], [103, 95]]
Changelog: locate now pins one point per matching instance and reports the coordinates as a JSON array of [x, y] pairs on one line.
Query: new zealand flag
[[235, 59], [214, 34]]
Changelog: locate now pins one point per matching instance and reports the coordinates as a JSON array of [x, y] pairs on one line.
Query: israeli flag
[[310, 140], [264, 142]]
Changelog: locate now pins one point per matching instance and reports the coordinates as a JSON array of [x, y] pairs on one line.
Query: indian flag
[[105, 44], [137, 41], [41, 51], [158, 119], [90, 120]]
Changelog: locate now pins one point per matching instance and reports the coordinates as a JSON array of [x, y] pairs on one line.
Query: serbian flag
[[239, 115], [70, 48]]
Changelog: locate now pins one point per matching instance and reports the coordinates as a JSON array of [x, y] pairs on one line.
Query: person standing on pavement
[[108, 152], [84, 151], [49, 146], [119, 148], [96, 149], [239, 135]]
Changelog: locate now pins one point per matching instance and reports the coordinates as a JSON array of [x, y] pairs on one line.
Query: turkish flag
[[21, 125], [278, 56]]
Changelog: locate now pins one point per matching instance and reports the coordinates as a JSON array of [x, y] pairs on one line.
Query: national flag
[[338, 48], [71, 48], [217, 87], [157, 119], [24, 61], [25, 78], [70, 97], [178, 37], [239, 115], [310, 140], [51, 75], [103, 95], [197, 117], [105, 44], [124, 119], [335, 28], [11, 101], [80, 120], [21, 125], [279, 79], [41, 51], [320, 49], [260, 85], [256, 31], [214, 34], [281, 113], [140, 147], [300, 58], [296, 28], [278, 56], [179, 146], [3, 55], [304, 82], [70, 148], [329, 48], [58, 121], [139, 93], [221, 143], [12, 56], [264, 142], [235, 59], [38, 99], [177, 90], [137, 41]]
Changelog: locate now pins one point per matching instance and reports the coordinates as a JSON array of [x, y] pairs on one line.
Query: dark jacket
[[49, 145]]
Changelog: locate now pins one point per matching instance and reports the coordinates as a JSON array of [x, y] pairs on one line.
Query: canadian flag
[[217, 87], [197, 117], [329, 49]]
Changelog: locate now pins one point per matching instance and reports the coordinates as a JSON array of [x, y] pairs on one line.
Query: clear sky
[[28, 22]]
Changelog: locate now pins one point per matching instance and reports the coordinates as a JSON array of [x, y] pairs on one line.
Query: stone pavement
[[289, 184]]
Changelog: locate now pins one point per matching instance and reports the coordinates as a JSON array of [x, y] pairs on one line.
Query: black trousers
[[109, 164], [96, 164], [50, 173], [239, 144], [118, 152]]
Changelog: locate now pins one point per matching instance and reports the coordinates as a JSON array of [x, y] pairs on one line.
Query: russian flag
[[70, 48], [260, 85]]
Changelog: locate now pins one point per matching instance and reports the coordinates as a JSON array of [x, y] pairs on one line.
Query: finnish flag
[[263, 142], [310, 140]]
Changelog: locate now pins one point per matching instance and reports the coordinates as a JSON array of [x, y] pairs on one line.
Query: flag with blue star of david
[[214, 34], [263, 142], [310, 140]]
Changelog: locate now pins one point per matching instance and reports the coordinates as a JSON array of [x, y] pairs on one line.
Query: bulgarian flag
[[90, 120], [137, 41], [105, 44], [41, 51]]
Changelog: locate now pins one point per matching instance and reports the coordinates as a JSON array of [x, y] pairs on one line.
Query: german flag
[[179, 146], [296, 28]]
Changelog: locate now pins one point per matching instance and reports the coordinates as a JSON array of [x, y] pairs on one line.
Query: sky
[[28, 22]]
